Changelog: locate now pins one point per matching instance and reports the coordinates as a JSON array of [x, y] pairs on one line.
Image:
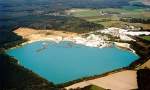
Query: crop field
[[111, 16], [144, 13]]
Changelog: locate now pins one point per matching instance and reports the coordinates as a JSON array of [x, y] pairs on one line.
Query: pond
[[66, 61]]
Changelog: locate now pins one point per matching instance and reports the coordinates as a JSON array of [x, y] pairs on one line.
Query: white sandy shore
[[124, 80], [50, 35], [92, 40], [124, 45]]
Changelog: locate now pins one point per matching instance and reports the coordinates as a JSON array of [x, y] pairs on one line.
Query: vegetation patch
[[91, 87], [146, 38], [143, 79], [16, 77], [71, 24]]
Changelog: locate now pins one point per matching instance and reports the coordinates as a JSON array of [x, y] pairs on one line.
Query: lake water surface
[[66, 61]]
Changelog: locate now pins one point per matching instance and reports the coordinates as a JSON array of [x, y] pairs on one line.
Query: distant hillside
[[71, 24], [12, 9]]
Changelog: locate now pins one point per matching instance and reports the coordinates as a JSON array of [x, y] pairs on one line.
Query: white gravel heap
[[92, 41], [122, 33]]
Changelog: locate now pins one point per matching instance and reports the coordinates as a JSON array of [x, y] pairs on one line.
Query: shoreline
[[107, 81], [125, 46], [90, 41]]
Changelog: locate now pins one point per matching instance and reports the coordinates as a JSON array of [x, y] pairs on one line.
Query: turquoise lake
[[65, 61]]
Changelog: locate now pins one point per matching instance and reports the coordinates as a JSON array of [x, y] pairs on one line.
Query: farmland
[[110, 17]]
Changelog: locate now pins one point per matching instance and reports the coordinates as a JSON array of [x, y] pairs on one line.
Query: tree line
[[136, 20]]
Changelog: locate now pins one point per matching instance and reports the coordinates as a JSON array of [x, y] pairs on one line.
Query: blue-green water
[[66, 61]]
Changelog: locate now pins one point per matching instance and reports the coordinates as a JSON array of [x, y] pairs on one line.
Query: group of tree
[[143, 78], [71, 24], [16, 77], [136, 20]]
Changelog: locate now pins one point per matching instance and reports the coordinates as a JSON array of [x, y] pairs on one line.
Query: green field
[[111, 16], [146, 38], [92, 87], [85, 12], [96, 12], [96, 88]]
